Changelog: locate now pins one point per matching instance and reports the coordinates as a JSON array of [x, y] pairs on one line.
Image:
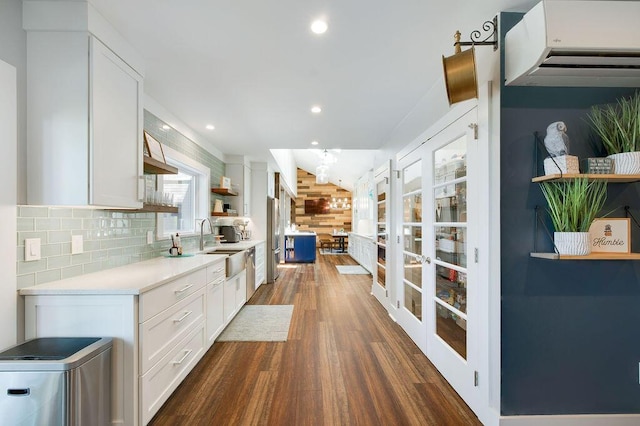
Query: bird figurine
[[556, 141]]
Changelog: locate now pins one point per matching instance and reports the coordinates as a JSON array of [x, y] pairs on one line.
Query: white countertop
[[133, 279], [299, 233], [136, 278], [241, 245]]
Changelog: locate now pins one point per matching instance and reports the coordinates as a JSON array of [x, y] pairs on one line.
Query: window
[[190, 191]]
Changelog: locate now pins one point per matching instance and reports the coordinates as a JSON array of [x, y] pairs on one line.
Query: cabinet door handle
[[182, 318], [181, 360], [183, 289]]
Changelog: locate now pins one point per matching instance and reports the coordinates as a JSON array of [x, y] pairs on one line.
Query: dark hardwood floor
[[345, 363]]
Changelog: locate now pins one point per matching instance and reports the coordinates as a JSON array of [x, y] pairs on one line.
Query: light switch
[[77, 246], [31, 249], [149, 237]]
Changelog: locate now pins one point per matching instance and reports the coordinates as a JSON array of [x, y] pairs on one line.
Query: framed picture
[[154, 148], [610, 235], [225, 182]]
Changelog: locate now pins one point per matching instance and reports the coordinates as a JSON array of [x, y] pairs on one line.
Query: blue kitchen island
[[300, 247]]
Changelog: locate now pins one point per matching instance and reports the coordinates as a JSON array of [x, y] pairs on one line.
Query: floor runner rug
[[351, 269], [259, 323]]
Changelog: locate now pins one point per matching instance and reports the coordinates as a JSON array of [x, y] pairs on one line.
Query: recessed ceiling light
[[210, 127], [316, 109], [165, 127], [314, 143], [319, 26]]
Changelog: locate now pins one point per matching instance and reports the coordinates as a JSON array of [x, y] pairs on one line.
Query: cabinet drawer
[[161, 333], [216, 271], [157, 300], [159, 383]]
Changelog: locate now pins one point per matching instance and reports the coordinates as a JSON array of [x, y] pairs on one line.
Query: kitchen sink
[[235, 261]]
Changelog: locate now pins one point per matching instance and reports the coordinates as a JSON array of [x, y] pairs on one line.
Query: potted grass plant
[[618, 125], [572, 205]]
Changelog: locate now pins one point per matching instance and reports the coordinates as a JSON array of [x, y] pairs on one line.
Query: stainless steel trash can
[[56, 381]]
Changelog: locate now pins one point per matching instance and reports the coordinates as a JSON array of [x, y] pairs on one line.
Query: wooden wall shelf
[[592, 256], [149, 208], [224, 191], [220, 214], [158, 209], [155, 167], [609, 177]]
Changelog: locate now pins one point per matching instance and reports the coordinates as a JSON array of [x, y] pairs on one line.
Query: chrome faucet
[[202, 231]]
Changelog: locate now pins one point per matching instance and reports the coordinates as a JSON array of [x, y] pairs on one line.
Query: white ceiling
[[253, 68]]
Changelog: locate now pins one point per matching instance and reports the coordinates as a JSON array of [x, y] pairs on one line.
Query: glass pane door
[[450, 230], [411, 297], [379, 286], [451, 276]]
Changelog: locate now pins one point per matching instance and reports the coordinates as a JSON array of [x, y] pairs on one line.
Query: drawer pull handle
[[186, 314], [19, 392], [181, 360], [183, 289]]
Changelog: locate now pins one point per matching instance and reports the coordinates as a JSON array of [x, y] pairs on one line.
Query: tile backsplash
[[110, 238]]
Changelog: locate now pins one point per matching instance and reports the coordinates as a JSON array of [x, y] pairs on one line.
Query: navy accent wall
[[570, 339]]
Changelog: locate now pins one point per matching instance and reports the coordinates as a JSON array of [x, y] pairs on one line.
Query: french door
[[379, 286], [440, 182], [411, 296], [452, 185]]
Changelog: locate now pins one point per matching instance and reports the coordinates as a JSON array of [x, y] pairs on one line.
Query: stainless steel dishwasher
[[251, 271], [55, 381]]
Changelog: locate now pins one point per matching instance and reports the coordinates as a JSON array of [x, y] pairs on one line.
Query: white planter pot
[[572, 243], [626, 163]]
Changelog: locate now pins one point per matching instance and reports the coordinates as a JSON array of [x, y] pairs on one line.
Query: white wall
[[13, 50], [8, 167], [286, 163]]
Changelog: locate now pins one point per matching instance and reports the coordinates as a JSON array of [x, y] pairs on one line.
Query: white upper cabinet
[[240, 175], [84, 111]]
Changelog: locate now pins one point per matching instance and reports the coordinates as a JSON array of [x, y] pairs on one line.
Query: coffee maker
[[230, 233]]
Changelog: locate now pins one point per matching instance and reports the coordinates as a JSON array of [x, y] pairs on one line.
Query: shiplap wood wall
[[320, 223]]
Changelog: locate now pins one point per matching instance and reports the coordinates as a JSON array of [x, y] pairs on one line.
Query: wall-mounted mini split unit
[[575, 44]]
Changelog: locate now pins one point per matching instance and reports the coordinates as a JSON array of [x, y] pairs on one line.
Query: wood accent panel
[[308, 189], [345, 363]]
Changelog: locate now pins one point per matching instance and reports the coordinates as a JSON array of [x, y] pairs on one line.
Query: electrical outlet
[[77, 245], [31, 249], [149, 237]]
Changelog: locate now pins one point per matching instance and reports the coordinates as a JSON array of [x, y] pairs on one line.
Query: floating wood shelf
[[220, 214], [149, 208], [592, 256], [155, 167], [224, 191], [610, 177], [158, 209]]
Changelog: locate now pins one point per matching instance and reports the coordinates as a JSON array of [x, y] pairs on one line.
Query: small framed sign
[[154, 148], [610, 235], [225, 182]]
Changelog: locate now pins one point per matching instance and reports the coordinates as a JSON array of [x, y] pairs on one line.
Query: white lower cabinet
[[172, 338], [215, 302], [260, 264], [159, 332], [164, 377], [363, 250], [235, 294]]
